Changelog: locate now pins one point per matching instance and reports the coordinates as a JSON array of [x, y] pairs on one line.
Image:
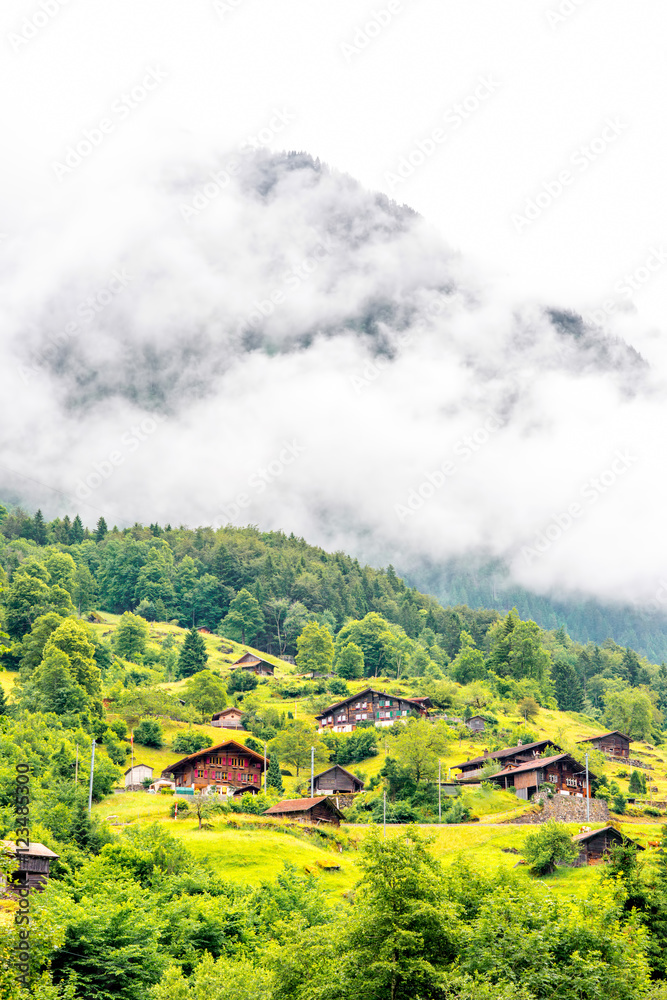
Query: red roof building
[[222, 768]]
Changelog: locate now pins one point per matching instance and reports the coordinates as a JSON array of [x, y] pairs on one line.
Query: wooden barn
[[317, 810], [135, 776], [33, 864], [595, 844], [522, 753], [562, 771], [221, 768], [336, 780], [476, 723], [254, 665], [614, 744], [229, 718]]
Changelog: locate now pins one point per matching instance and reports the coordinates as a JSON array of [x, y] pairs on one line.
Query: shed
[[596, 843], [33, 864], [317, 810], [477, 723], [337, 780], [135, 776]]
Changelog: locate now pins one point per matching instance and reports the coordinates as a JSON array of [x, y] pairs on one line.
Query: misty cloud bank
[[254, 338]]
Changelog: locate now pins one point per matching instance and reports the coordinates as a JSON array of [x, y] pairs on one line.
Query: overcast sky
[[529, 135]]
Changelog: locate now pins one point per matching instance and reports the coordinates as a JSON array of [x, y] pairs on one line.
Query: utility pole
[[384, 814], [312, 772], [265, 768], [90, 787], [588, 794], [439, 792]]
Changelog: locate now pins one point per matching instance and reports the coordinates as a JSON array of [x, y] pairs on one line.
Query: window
[[200, 772], [364, 715], [572, 782], [553, 778]]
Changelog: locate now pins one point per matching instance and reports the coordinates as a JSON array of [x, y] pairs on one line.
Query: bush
[[149, 733], [651, 811], [619, 804], [190, 742], [548, 847], [241, 680]]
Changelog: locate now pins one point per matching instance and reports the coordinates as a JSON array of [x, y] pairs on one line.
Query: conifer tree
[[274, 778], [100, 530], [193, 656]]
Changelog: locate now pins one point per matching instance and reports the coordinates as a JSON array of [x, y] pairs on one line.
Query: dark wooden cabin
[[370, 706], [595, 844], [522, 753], [317, 810], [614, 744], [254, 665], [336, 780], [562, 771], [33, 865], [221, 767]]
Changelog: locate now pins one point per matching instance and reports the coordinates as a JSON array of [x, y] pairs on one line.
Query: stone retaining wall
[[565, 809]]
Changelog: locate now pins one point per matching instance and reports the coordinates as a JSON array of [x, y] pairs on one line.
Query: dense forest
[[487, 585]]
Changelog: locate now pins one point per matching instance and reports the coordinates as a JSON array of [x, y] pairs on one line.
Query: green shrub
[[149, 733]]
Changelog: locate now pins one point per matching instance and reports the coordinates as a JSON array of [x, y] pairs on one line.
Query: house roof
[[538, 763], [228, 711], [301, 805], [583, 837], [218, 748], [480, 717], [508, 752], [337, 767], [422, 702], [138, 765], [613, 732], [35, 849], [250, 660]]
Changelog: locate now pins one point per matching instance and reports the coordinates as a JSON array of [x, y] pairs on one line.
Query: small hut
[[33, 864], [317, 810], [336, 780], [595, 844]]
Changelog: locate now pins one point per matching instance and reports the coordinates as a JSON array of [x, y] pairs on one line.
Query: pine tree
[[100, 530], [193, 655], [274, 778], [77, 531], [39, 528]]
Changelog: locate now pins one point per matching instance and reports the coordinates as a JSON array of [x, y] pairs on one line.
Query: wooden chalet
[[595, 844], [522, 753], [614, 744], [336, 780], [370, 706], [317, 810], [229, 718], [222, 768], [566, 774], [253, 664], [476, 723], [33, 865]]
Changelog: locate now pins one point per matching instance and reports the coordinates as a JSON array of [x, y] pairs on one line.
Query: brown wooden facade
[[316, 810], [562, 771], [229, 718], [522, 753], [614, 744], [254, 664], [224, 766], [337, 780], [476, 723], [33, 865], [370, 706]]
